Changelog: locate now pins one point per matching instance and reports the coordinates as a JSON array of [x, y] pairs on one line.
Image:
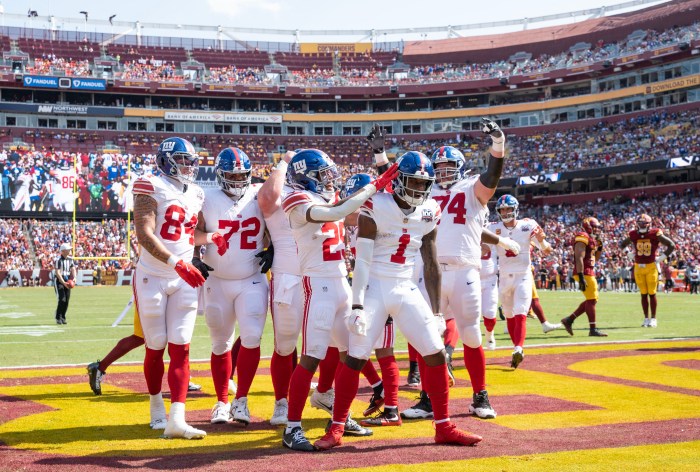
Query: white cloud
[[232, 8]]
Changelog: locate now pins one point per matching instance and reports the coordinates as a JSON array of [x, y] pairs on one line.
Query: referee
[[64, 269]]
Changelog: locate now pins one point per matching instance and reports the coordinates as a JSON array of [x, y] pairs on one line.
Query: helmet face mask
[[511, 205], [233, 171], [186, 167], [449, 165], [177, 159], [415, 179], [643, 223], [591, 226], [314, 171]]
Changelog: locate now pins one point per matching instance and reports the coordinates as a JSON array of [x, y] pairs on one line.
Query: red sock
[[299, 387], [234, 354], [412, 354], [475, 362], [370, 373], [579, 311], [179, 371], [437, 387], [327, 369], [220, 373], [590, 312], [520, 323], [281, 371], [421, 370], [645, 305], [451, 335], [347, 381], [511, 329], [153, 369], [652, 302], [123, 347], [537, 308], [390, 377], [248, 360], [489, 324]]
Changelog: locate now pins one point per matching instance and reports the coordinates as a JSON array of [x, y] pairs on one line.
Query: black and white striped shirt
[[63, 265]]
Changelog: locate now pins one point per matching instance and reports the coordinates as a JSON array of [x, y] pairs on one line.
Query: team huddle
[[423, 256]]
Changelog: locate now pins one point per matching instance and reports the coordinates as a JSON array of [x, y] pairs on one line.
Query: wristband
[[380, 158], [498, 144], [210, 238], [172, 261]]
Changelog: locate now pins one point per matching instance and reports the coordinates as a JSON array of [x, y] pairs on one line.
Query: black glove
[[581, 282], [491, 128], [266, 257], [376, 139], [203, 268]]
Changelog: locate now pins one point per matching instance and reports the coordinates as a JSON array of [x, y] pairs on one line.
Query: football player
[[392, 228], [235, 291], [645, 241], [489, 292], [515, 276], [316, 218], [165, 220], [588, 246]]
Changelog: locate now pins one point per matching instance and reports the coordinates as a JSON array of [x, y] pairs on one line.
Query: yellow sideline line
[[652, 457]]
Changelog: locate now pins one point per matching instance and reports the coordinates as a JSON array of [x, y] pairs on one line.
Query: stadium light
[[32, 13], [111, 18], [86, 15]]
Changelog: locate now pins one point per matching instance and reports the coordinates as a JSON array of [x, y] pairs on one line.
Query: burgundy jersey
[[589, 256], [645, 245]]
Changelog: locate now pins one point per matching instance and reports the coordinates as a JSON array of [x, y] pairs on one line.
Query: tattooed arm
[[145, 209]]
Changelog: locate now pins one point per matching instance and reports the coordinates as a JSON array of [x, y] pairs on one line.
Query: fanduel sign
[[40, 81], [88, 84], [75, 83]]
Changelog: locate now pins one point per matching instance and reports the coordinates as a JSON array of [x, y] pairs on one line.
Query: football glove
[[661, 258], [202, 267], [357, 322], [386, 178], [220, 241], [441, 324], [581, 282], [266, 256], [189, 274], [376, 139], [491, 128], [509, 245]]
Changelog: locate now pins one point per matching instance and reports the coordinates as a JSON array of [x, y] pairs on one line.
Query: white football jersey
[[463, 217], [63, 190], [286, 260], [523, 234], [489, 263], [176, 220], [242, 225], [399, 236], [321, 246]]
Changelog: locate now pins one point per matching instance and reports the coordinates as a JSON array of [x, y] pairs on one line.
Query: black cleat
[[296, 440], [516, 359], [598, 333], [413, 375], [422, 409], [568, 325], [481, 406], [95, 377], [375, 403]]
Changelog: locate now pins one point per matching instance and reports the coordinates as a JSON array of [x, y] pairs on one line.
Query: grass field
[[29, 335]]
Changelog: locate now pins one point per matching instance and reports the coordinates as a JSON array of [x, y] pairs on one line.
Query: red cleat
[[449, 434], [333, 438]]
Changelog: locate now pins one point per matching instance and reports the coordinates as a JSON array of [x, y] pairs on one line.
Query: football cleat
[[413, 375], [547, 327], [516, 358], [220, 413], [652, 323], [385, 418], [279, 416], [450, 374], [352, 428], [323, 401], [490, 341], [95, 376], [232, 387], [568, 325], [183, 431], [646, 323], [597, 333], [481, 407], [375, 403], [158, 423], [239, 411], [449, 434], [193, 387], [296, 440], [422, 409], [332, 438]]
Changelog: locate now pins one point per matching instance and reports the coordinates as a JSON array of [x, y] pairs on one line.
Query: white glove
[[661, 258], [441, 325], [509, 245], [357, 322]]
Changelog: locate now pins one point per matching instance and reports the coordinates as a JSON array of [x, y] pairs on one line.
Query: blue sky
[[302, 14]]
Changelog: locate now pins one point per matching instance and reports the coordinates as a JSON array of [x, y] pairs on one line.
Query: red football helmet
[[643, 223], [591, 225]]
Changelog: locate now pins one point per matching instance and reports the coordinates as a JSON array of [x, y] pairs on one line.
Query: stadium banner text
[[538, 179], [683, 161], [330, 48], [75, 83], [62, 109], [222, 117], [45, 278]]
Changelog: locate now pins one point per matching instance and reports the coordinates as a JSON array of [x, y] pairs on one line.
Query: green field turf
[[29, 335]]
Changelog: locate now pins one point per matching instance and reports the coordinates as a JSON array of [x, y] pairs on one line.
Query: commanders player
[[588, 247], [645, 240], [165, 220]]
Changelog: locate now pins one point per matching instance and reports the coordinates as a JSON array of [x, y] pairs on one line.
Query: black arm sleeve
[[492, 175], [382, 168]]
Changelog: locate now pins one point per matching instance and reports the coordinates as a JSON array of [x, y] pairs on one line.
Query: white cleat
[[220, 413], [646, 323], [232, 387], [652, 323], [159, 423], [239, 411], [491, 341], [547, 327], [183, 431], [323, 401], [279, 416]]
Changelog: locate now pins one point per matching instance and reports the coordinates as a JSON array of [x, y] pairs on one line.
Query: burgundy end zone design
[[498, 439]]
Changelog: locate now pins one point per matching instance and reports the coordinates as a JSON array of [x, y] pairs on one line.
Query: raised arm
[[488, 181], [270, 194], [375, 138]]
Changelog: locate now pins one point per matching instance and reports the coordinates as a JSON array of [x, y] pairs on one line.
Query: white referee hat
[[65, 247]]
